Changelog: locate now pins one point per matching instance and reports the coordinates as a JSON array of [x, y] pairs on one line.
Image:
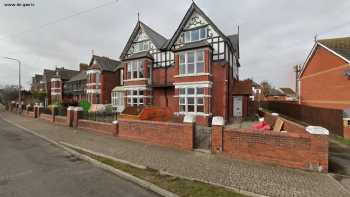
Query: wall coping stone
[[70, 108], [189, 118], [115, 122], [78, 109], [218, 121], [274, 114], [317, 130]]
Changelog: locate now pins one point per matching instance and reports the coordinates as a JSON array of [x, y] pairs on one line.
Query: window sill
[[192, 113], [137, 79], [193, 75]]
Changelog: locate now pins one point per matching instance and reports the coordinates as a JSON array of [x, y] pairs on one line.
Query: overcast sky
[[274, 35]]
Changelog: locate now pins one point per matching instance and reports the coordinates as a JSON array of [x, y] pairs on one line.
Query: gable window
[[135, 97], [195, 35], [191, 99], [135, 69], [191, 62]]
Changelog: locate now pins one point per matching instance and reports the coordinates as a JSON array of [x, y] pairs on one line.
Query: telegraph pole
[[297, 69]]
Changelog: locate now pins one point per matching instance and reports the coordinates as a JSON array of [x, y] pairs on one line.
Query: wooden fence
[[332, 119]]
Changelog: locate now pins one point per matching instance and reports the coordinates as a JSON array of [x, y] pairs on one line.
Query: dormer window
[[195, 35]]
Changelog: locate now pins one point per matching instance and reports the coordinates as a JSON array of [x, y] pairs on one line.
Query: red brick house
[[58, 80], [103, 74], [324, 79], [193, 72]]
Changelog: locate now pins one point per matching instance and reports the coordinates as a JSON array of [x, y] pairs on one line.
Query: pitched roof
[[234, 39], [340, 46], [105, 63], [275, 92], [288, 91], [157, 39], [195, 8], [243, 87], [66, 74], [79, 77]]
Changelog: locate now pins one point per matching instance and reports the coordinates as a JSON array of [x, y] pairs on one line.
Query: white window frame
[[140, 98], [184, 97], [195, 62], [188, 34], [139, 69]]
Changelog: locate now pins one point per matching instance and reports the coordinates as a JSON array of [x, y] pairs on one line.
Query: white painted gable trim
[[313, 51]]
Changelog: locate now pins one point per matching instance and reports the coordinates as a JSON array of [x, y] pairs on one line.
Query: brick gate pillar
[[116, 125], [70, 116], [217, 134], [77, 115], [189, 128]]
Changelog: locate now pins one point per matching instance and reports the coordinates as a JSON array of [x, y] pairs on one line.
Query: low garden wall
[[175, 135], [47, 117], [286, 149], [61, 120], [99, 127], [295, 148], [28, 114]]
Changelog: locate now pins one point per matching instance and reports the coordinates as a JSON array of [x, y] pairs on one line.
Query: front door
[[237, 107]]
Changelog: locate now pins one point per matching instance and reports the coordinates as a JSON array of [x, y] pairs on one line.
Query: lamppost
[[19, 81]]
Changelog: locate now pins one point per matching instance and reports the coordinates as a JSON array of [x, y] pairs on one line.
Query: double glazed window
[[135, 97], [117, 98], [191, 99], [191, 62], [135, 69], [195, 35]]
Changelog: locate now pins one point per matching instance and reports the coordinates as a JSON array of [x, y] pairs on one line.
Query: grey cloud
[[275, 35]]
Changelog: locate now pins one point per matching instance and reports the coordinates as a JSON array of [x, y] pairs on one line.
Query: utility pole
[[297, 69], [19, 82]]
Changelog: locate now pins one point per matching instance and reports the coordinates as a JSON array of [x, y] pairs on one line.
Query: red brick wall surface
[[285, 149], [176, 135], [108, 81], [46, 117], [325, 73], [99, 127], [61, 120]]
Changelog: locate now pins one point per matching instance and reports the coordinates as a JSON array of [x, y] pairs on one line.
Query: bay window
[[135, 97], [191, 62], [191, 99], [195, 35], [135, 69]]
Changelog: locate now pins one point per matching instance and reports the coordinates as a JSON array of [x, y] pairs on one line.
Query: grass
[[179, 186], [342, 140]]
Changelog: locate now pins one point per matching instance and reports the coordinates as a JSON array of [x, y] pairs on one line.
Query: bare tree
[[266, 87], [8, 93]]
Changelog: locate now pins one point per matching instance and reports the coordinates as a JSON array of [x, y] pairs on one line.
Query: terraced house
[[193, 72]]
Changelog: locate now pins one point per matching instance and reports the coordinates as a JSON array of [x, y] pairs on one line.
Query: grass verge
[[179, 186], [342, 140]]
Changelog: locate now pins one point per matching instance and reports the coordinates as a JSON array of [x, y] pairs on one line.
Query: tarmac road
[[31, 167]]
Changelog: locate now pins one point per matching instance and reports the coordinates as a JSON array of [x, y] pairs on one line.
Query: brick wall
[[108, 81], [61, 120], [99, 127], [325, 73], [293, 150], [47, 117], [175, 135]]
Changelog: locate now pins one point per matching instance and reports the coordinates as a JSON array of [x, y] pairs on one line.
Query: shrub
[[85, 105], [108, 108]]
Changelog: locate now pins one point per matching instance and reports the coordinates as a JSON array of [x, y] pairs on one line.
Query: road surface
[[30, 166]]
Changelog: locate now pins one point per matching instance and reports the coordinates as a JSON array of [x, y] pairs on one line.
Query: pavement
[[245, 175], [30, 166]]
